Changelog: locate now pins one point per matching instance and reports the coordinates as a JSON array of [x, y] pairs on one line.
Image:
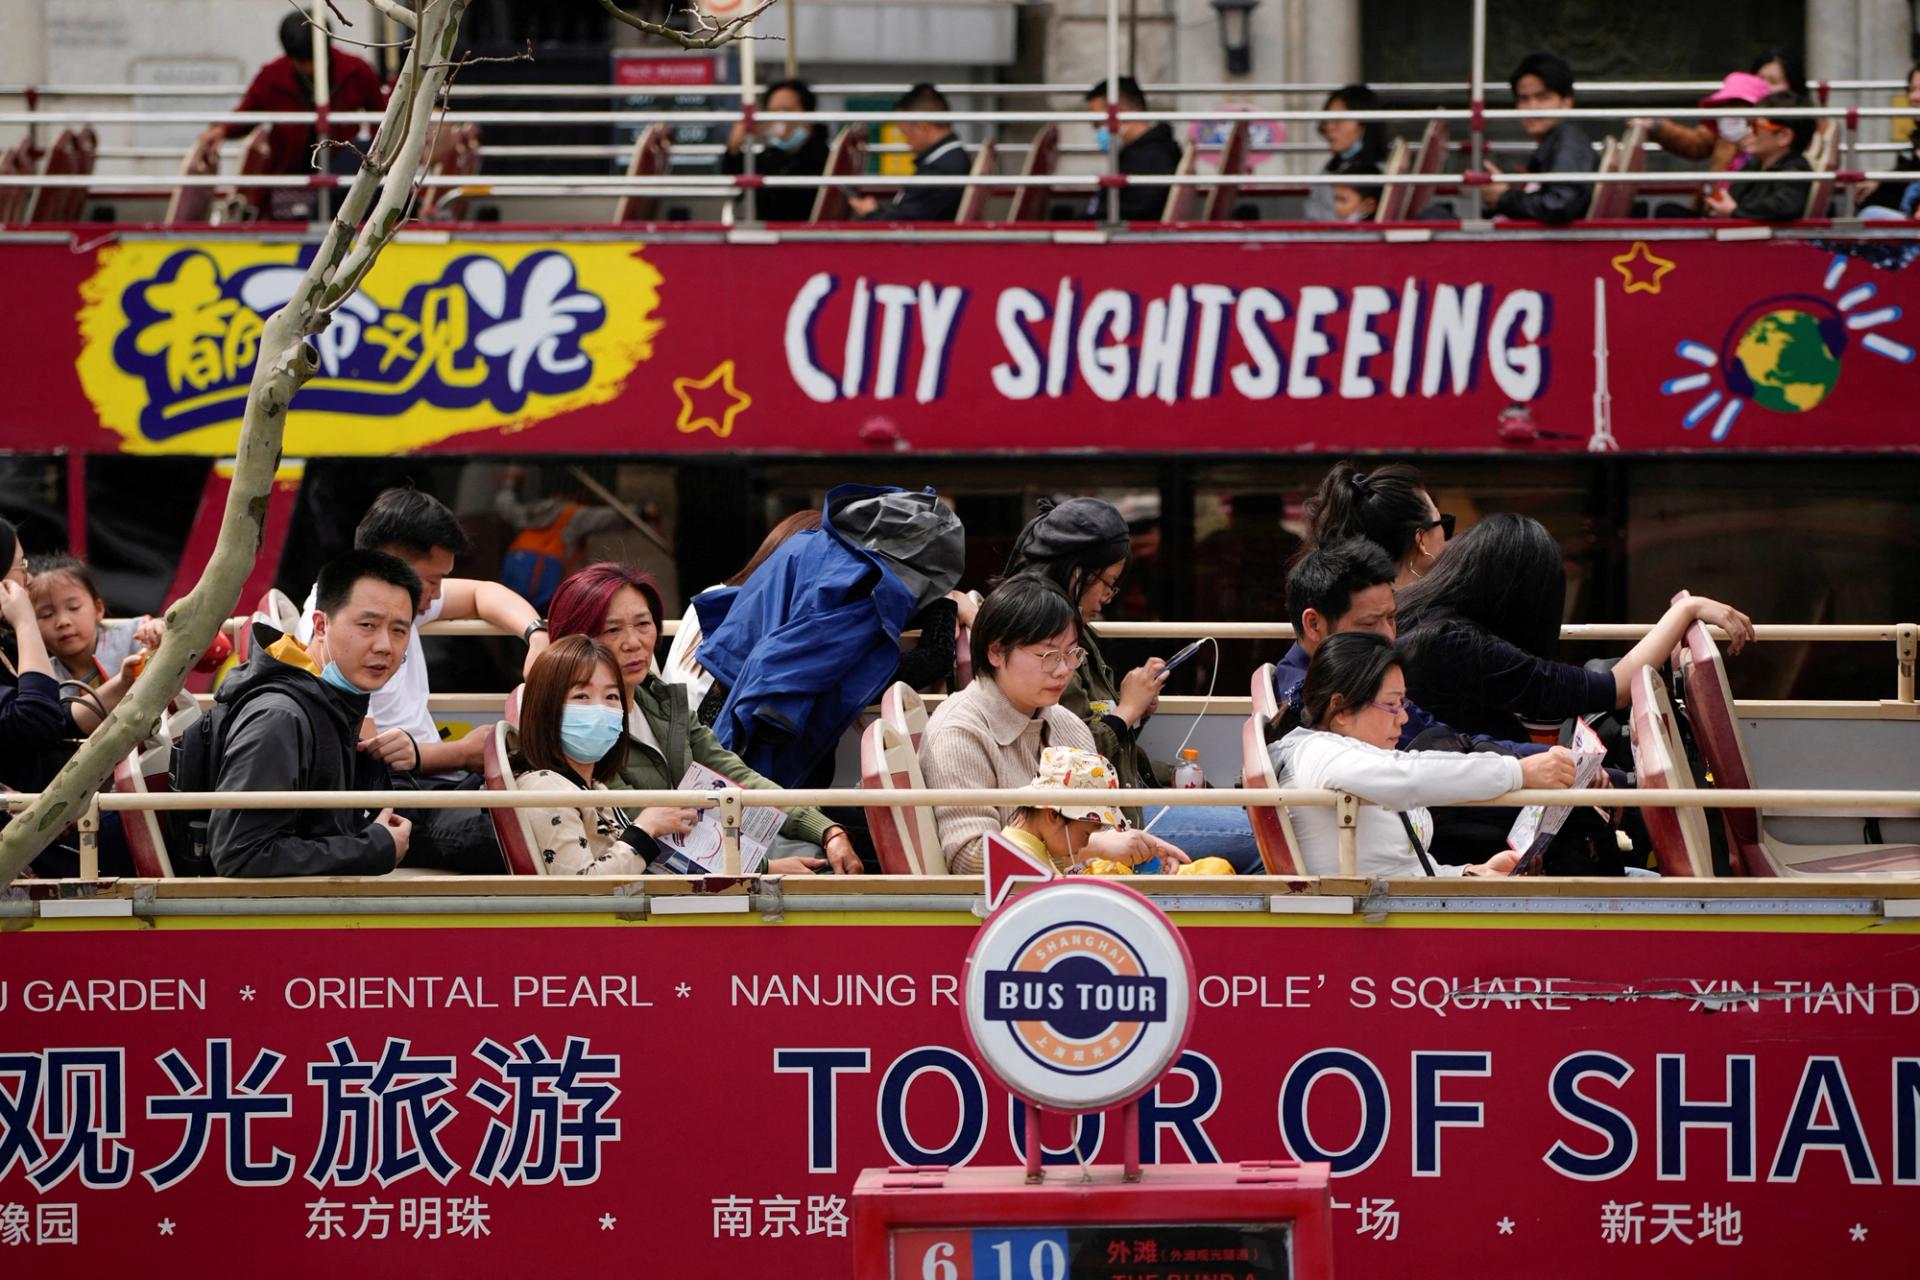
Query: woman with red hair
[[620, 607]]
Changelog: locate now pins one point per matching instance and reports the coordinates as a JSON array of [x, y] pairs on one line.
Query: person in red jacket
[[286, 84]]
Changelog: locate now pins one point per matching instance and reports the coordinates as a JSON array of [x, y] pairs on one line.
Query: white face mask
[[1733, 128]]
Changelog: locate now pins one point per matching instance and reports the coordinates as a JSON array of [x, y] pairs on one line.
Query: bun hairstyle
[[1386, 505]]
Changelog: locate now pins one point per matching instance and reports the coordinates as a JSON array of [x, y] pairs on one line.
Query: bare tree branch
[[705, 33], [398, 10], [334, 37]]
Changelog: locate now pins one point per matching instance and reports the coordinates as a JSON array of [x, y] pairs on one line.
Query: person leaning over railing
[[1353, 705], [1026, 646], [293, 721], [1543, 82], [619, 606]]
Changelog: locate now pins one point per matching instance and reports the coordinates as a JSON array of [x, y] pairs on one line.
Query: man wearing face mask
[[293, 719], [1144, 149], [1715, 139], [786, 149]]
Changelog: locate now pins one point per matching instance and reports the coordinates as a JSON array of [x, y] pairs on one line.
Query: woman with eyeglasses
[[1388, 505], [1353, 705], [1082, 546], [1026, 648], [32, 721]]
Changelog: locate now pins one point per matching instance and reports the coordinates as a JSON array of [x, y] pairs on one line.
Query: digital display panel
[[1129, 1251]]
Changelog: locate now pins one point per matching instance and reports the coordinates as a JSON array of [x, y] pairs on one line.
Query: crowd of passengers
[[1424, 676], [1734, 133]]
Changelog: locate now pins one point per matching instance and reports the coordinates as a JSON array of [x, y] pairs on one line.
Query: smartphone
[[1181, 657]]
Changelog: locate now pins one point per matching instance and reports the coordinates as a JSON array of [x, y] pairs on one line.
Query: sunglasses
[[1761, 122], [1445, 524]]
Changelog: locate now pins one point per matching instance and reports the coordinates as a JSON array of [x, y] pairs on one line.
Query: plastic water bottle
[[1187, 774]]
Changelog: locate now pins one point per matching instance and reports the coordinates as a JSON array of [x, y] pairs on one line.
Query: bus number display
[[1194, 1251]]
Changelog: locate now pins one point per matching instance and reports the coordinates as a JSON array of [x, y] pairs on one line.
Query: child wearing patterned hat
[[1082, 837]]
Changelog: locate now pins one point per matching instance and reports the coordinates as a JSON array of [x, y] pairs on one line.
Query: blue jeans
[[1210, 832]]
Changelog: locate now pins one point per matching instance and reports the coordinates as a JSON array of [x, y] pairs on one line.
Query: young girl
[[1065, 834], [104, 658], [572, 734]]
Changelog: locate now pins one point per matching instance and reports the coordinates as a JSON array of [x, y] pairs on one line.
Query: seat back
[[845, 159], [16, 162], [1395, 198], [1183, 203], [510, 709], [904, 837], [1682, 842], [1272, 828], [1430, 158], [145, 771], [1822, 152], [962, 658], [1218, 206], [652, 153], [1716, 728], [512, 826], [456, 154], [1631, 157], [973, 198], [72, 154], [1043, 157], [195, 204], [1266, 700], [1601, 205], [901, 708]]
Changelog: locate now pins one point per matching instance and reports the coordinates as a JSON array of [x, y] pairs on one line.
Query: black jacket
[[1566, 150], [947, 158], [33, 726], [1773, 201], [291, 731], [1153, 152], [784, 204]]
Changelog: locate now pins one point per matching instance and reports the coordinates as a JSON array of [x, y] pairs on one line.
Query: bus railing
[[732, 802]]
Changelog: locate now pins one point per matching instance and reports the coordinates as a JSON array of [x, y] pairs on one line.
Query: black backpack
[[196, 767]]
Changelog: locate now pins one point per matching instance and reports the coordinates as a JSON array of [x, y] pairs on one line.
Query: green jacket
[[1092, 692], [686, 740]]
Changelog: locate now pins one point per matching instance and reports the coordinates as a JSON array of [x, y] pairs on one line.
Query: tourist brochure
[[699, 852], [1537, 824]]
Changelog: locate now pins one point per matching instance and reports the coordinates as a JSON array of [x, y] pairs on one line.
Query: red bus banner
[[696, 1097], [570, 344]]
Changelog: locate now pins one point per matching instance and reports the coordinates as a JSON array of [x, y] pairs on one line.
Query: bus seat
[[144, 771], [1218, 205], [901, 708], [72, 154], [1395, 198], [510, 825], [16, 162], [195, 204], [1682, 843], [1272, 828], [1716, 727], [1629, 155], [652, 153], [905, 837], [1183, 202], [1266, 702], [847, 158], [1822, 154], [973, 198], [962, 658], [1430, 158], [510, 709], [456, 154], [1043, 157]]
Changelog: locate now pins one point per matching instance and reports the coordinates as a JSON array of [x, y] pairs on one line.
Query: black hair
[[1388, 504], [1327, 578], [1351, 667], [334, 586], [809, 101], [1550, 67], [1025, 609], [1790, 63], [1504, 576], [296, 37], [72, 566], [416, 522], [1373, 133], [1127, 94], [9, 543], [922, 97], [1358, 167], [1802, 126]]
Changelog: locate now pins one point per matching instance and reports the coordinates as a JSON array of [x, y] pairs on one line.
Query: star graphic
[[246, 993], [166, 1226], [606, 1221], [1632, 278], [1858, 1232], [1505, 1225], [683, 991], [692, 418]]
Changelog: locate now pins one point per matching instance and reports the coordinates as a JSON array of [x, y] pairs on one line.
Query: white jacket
[[1390, 781]]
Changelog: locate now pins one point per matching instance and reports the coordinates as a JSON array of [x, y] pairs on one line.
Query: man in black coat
[[295, 720], [935, 151], [1543, 82], [1144, 149]]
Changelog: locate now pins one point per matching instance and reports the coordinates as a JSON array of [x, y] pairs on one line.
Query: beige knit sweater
[[976, 738]]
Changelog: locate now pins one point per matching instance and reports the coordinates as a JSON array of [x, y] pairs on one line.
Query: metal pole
[[1113, 107], [793, 45], [1477, 101]]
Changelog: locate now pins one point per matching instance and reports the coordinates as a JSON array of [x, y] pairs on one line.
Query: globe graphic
[[1788, 360]]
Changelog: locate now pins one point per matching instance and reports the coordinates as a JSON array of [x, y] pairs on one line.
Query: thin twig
[[469, 59], [706, 34], [334, 38]]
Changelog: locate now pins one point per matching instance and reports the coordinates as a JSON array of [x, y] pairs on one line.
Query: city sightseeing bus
[[1716, 1072]]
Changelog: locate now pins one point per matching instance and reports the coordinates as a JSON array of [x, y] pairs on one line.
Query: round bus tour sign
[[1079, 995]]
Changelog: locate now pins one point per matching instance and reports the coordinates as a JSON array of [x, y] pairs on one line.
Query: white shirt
[[402, 702], [1391, 782]]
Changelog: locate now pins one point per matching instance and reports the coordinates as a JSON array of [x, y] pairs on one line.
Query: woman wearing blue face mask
[[786, 149], [572, 734]]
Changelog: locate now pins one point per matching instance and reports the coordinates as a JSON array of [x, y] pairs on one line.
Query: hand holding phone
[[1181, 657]]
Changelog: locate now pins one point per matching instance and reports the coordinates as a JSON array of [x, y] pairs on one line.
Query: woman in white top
[[1353, 705]]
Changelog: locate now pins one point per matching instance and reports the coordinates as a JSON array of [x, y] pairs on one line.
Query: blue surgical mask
[[332, 674], [588, 733], [788, 141], [1103, 137]]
